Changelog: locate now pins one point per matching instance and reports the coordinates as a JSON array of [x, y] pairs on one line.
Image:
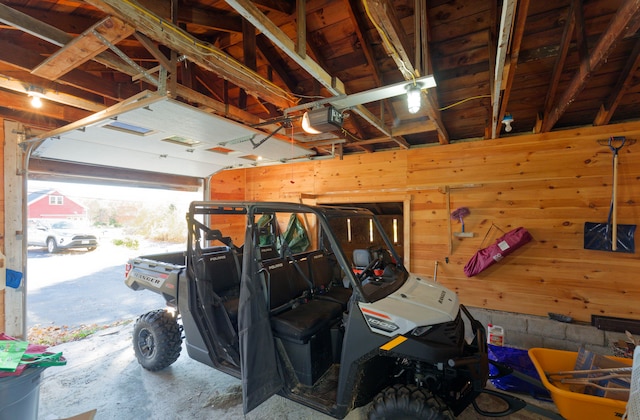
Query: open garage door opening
[[80, 237]]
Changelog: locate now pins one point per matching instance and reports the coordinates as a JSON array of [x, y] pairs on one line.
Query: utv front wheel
[[407, 402], [157, 340]]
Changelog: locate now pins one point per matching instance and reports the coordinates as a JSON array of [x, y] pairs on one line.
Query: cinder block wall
[[527, 331]]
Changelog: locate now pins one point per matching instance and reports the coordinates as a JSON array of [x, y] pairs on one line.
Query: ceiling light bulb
[[306, 125], [507, 120], [414, 98], [36, 102]]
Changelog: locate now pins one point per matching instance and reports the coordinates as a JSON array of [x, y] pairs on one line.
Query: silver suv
[[63, 234]]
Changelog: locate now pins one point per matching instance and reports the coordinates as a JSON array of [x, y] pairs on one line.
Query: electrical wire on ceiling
[[348, 134], [309, 96], [190, 40], [463, 101]]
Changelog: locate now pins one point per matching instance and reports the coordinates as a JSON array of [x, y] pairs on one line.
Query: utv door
[[260, 372]]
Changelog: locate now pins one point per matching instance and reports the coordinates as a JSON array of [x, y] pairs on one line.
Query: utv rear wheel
[[407, 402], [157, 339]]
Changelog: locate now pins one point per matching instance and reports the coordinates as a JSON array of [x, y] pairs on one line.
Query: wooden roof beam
[[83, 48], [60, 38], [504, 34], [558, 65], [617, 29], [365, 44], [334, 85], [199, 52], [277, 63], [20, 102], [396, 44], [55, 95], [518, 32], [148, 44], [625, 81], [26, 60], [217, 19]]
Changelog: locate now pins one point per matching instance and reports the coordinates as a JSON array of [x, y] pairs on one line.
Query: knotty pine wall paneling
[[549, 183]]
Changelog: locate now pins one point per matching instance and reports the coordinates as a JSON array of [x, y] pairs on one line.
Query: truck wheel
[[51, 245], [157, 340], [406, 402]]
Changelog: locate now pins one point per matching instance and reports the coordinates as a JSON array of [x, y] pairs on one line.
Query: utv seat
[[294, 315], [220, 270], [361, 258], [327, 285]]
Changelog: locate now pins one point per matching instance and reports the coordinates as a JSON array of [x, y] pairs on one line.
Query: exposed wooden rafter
[[22, 103], [54, 95], [334, 85], [199, 52], [150, 46], [504, 35], [397, 45], [365, 44], [26, 60], [558, 65], [83, 48], [301, 28], [616, 30], [514, 54], [625, 82]]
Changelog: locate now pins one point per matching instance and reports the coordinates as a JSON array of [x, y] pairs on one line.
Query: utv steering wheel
[[368, 269]]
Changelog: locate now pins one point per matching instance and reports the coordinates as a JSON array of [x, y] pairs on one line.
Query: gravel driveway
[[76, 287]]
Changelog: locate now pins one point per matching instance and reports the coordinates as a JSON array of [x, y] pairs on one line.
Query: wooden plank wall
[[550, 183]]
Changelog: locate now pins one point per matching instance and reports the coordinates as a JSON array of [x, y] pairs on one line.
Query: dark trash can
[[20, 395]]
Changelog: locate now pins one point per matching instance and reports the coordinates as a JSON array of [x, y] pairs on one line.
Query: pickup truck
[[271, 294]]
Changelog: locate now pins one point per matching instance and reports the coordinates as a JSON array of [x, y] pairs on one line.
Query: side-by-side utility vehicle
[[312, 303]]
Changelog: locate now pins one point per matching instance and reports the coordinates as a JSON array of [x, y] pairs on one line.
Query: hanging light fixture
[[507, 121], [306, 124], [320, 120], [414, 97], [36, 94], [317, 118]]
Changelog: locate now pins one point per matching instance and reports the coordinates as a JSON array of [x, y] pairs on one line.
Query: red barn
[[51, 204]]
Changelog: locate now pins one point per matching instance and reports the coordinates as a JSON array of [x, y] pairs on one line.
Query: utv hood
[[417, 303]]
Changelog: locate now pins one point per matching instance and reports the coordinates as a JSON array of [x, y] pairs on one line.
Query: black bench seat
[[295, 315]]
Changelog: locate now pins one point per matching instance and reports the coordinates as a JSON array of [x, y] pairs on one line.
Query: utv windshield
[[375, 267]]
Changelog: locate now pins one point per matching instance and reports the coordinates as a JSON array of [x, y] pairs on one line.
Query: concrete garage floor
[[102, 373]]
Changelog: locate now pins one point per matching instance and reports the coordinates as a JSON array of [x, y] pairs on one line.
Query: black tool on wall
[[611, 236]]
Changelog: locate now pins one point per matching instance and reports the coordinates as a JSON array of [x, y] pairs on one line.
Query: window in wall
[[355, 233], [56, 200]]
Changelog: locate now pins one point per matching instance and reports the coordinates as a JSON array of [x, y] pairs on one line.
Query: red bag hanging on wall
[[503, 246]]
